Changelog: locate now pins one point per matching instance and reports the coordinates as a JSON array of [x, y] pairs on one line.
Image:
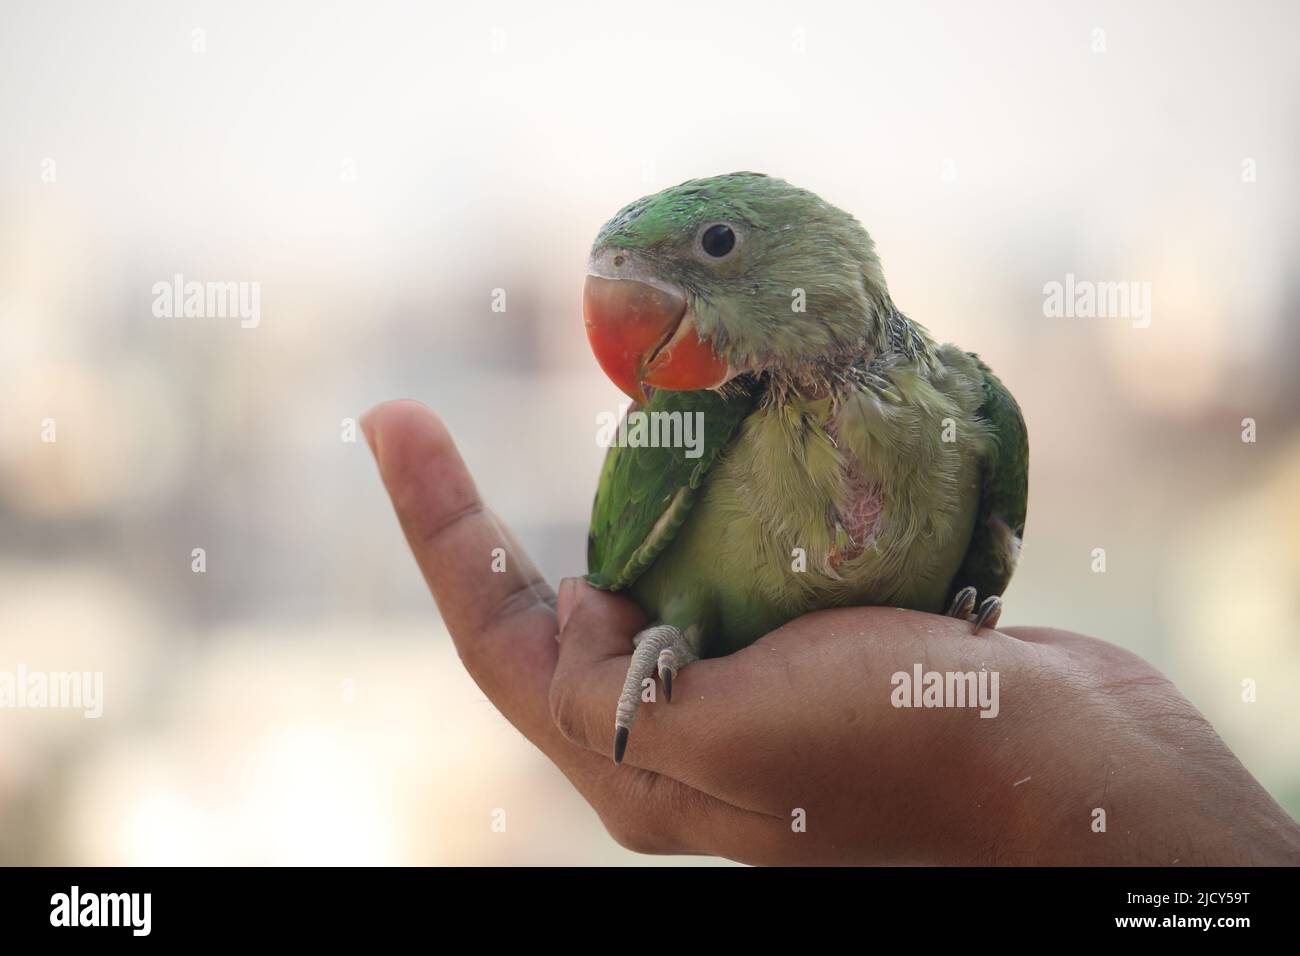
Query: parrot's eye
[[718, 240]]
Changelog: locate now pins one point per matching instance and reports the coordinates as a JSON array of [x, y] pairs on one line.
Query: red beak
[[641, 335]]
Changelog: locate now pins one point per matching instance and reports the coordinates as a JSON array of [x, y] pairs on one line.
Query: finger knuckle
[[647, 820], [566, 711], [639, 835], [636, 839]]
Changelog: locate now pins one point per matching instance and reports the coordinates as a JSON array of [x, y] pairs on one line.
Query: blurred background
[[379, 169]]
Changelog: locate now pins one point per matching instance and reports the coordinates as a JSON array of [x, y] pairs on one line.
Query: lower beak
[[642, 335]]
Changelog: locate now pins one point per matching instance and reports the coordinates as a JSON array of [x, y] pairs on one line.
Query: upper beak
[[642, 335]]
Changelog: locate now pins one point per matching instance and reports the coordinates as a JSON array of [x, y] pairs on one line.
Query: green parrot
[[818, 448]]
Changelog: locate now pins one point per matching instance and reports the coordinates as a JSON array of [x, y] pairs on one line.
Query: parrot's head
[[718, 277]]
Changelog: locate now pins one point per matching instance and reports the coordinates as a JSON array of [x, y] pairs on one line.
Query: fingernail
[[366, 429], [565, 600]]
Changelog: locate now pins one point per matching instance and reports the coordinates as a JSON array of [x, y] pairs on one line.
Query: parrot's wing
[[1004, 493], [645, 493]]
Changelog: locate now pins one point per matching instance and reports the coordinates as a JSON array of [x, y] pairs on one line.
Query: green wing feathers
[[1004, 493], [645, 493]]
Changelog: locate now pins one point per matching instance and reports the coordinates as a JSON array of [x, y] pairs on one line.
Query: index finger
[[496, 605]]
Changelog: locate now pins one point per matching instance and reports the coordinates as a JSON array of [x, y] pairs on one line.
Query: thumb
[[605, 621]]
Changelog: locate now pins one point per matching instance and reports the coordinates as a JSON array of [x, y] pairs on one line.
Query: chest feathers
[[868, 496]]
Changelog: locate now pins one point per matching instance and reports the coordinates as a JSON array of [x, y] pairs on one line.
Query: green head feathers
[[777, 278]]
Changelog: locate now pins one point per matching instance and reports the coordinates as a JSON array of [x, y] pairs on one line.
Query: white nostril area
[[614, 263]]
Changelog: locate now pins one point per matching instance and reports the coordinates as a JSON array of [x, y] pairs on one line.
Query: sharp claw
[[988, 615], [663, 649], [963, 603]]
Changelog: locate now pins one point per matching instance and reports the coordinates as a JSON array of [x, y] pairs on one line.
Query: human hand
[[792, 751]]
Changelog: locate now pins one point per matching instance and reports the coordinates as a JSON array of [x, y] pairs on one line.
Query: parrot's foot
[[989, 612], [662, 648], [963, 602], [963, 607]]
